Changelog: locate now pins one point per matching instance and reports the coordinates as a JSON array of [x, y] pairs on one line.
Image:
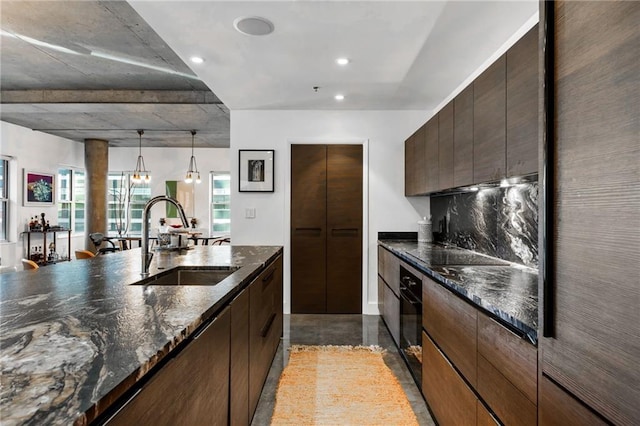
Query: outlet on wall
[[250, 213]]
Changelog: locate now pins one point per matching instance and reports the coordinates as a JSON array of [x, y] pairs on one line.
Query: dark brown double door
[[326, 229]]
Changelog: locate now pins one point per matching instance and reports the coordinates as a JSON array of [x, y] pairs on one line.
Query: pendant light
[[193, 166], [140, 174]]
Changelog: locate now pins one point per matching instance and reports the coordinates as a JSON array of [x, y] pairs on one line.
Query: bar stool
[[29, 264], [84, 254]]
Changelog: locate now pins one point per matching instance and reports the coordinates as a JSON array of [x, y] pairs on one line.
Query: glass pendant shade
[[140, 173], [193, 166]]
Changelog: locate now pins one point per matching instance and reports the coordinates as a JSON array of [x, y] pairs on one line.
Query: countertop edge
[[529, 333]]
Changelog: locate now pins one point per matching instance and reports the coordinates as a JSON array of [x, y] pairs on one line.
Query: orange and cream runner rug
[[340, 385]]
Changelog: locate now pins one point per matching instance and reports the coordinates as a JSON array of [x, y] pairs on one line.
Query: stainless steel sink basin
[[189, 276]]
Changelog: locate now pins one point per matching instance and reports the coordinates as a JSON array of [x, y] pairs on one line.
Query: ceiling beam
[[109, 96]]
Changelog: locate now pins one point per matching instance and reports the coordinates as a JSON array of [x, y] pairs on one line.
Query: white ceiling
[[404, 54]]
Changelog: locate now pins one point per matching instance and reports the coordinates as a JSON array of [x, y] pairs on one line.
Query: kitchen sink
[[189, 276]]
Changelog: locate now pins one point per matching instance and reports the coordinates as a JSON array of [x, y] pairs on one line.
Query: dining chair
[[84, 254], [29, 264]]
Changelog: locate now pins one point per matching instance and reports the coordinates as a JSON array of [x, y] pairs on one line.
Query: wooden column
[[96, 163]]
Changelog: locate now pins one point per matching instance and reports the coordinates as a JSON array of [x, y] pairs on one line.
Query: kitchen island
[[77, 336]]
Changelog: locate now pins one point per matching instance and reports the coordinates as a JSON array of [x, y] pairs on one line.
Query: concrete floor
[[337, 330]]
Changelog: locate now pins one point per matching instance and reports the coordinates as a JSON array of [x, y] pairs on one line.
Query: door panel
[[344, 229], [308, 228]]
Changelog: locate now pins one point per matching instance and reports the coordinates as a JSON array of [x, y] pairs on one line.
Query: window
[[126, 202], [4, 198], [220, 202], [71, 199]]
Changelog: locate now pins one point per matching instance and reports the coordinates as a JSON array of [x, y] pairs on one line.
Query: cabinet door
[[419, 154], [431, 158], [308, 228], [510, 405], [344, 229], [451, 323], [239, 382], [558, 408], [391, 313], [522, 105], [192, 388], [391, 271], [594, 319], [489, 122], [262, 330], [514, 357], [450, 399], [409, 166], [445, 147], [463, 138]]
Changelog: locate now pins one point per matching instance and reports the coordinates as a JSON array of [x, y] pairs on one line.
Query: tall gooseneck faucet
[[146, 255]]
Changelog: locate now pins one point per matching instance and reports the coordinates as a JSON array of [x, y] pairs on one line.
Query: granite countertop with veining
[[76, 335], [507, 290]]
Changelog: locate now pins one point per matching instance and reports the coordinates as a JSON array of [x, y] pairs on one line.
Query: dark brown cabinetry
[[463, 138], [389, 291], [558, 408], [489, 123], [449, 397], [445, 147], [522, 105], [480, 356], [410, 167], [591, 342], [264, 329], [452, 324], [239, 363], [488, 132], [431, 158], [192, 388], [326, 228]]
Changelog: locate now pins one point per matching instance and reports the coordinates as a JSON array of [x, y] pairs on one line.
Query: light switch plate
[[250, 213]]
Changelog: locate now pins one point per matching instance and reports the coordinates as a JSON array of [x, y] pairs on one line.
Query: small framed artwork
[[256, 170], [39, 188]]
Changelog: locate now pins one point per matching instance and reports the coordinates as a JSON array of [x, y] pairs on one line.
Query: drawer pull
[[269, 277]]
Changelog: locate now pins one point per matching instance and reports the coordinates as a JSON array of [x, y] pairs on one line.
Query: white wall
[[34, 151], [383, 134], [172, 164]]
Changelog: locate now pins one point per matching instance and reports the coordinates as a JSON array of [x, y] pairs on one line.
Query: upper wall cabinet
[[488, 132], [430, 162], [522, 106], [489, 123], [445, 147], [463, 138]]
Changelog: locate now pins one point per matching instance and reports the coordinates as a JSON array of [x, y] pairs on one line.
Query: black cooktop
[[446, 256]]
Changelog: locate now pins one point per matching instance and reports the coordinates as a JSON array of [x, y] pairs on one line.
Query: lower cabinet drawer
[[391, 313], [448, 396], [484, 416], [558, 408], [510, 405], [510, 354], [452, 323]]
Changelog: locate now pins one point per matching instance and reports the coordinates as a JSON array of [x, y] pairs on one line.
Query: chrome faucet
[[146, 255]]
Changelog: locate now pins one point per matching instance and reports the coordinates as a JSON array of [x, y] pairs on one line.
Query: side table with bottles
[[44, 253]]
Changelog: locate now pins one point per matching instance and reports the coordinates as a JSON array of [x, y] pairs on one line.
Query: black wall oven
[[411, 322]]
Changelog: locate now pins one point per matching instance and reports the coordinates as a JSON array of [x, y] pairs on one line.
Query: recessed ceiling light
[[339, 97], [197, 59], [342, 61], [253, 25]]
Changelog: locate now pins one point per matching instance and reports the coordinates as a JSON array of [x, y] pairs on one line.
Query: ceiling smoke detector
[[253, 25]]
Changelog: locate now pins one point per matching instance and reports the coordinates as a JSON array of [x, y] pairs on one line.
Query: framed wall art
[[39, 188], [256, 170]]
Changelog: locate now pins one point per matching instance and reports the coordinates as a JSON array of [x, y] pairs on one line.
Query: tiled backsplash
[[499, 222]]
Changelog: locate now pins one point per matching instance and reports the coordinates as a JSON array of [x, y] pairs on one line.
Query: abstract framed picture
[[256, 170], [39, 188]]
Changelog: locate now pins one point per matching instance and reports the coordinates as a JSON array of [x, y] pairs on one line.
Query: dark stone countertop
[[506, 290], [76, 335]]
